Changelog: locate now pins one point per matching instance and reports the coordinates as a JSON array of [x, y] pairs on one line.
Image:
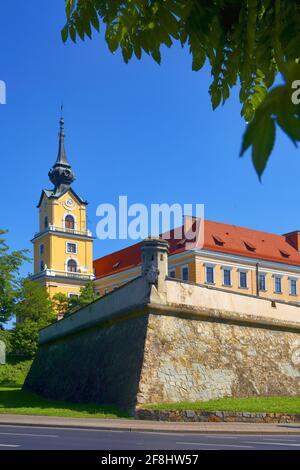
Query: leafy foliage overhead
[[245, 42]]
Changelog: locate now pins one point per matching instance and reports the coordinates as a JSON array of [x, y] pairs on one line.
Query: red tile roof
[[218, 237]]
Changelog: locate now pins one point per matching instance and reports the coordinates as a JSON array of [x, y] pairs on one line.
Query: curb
[[204, 428]]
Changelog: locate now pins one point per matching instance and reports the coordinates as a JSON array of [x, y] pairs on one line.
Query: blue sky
[[141, 130]]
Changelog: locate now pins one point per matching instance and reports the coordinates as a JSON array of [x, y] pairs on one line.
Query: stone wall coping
[[203, 313]]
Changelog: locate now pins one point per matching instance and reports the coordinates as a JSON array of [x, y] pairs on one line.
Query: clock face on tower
[[69, 203]]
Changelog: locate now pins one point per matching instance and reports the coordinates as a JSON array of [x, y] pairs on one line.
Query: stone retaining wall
[[216, 416]]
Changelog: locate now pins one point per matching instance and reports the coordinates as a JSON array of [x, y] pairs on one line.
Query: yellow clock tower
[[63, 247]]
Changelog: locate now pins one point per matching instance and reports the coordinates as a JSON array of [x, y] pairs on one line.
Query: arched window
[[72, 266], [69, 222], [46, 222], [42, 266]]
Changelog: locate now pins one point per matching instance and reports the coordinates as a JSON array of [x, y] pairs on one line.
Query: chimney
[[293, 238], [188, 221], [155, 261]]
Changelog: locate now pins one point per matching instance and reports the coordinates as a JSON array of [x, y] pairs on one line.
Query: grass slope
[[16, 401], [13, 373], [252, 404]]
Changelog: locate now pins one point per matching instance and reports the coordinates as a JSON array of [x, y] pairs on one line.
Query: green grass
[[13, 373], [16, 401], [252, 404]]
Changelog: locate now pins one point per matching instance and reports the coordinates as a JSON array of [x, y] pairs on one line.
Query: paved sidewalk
[[149, 426]]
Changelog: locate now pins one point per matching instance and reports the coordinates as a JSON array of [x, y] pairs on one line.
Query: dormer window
[[69, 222], [218, 240], [284, 253], [249, 246]]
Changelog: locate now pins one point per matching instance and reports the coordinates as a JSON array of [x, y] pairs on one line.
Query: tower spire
[[62, 156], [61, 174]]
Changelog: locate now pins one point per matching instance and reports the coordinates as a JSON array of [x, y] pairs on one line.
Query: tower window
[[71, 247], [46, 222], [42, 249], [72, 266], [42, 266], [69, 222]]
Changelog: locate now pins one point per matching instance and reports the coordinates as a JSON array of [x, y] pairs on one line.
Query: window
[[277, 284], [209, 275], [42, 249], [293, 286], [73, 295], [262, 282], [226, 277], [243, 279], [185, 273], [72, 266], [71, 247], [46, 222], [42, 266], [69, 222], [172, 273]]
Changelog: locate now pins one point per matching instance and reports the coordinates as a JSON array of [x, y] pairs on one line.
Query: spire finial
[[62, 121], [61, 175]]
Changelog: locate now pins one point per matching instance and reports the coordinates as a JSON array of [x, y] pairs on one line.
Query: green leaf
[[137, 50], [198, 59], [216, 96], [72, 32], [70, 4], [156, 55], [65, 33], [287, 117], [263, 144], [112, 41], [94, 19], [260, 133]]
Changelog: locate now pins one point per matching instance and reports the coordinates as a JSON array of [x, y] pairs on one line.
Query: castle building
[[197, 321], [230, 258], [63, 254]]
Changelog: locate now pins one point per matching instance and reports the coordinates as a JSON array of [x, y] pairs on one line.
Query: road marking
[[274, 440], [214, 445], [274, 443], [9, 445], [26, 434], [215, 436]]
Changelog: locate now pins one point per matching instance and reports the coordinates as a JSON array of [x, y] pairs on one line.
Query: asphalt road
[[42, 438]]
